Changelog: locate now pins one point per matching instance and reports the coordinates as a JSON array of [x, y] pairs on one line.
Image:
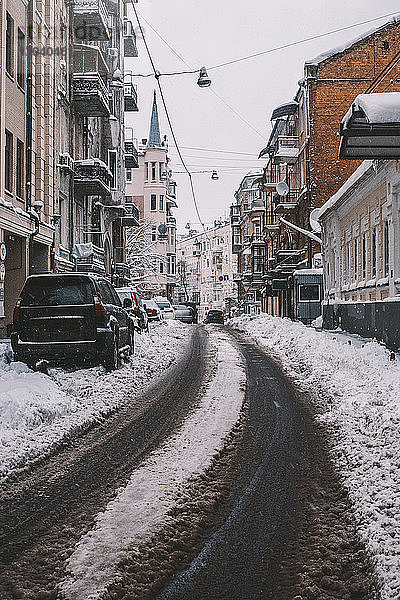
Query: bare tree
[[141, 256]]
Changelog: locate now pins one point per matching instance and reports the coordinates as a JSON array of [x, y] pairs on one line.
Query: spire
[[154, 134]]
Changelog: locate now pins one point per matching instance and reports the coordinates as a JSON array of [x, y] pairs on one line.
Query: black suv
[[70, 316], [214, 316]]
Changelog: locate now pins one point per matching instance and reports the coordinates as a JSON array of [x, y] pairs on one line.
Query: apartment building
[[152, 189], [206, 266], [62, 101], [303, 167]]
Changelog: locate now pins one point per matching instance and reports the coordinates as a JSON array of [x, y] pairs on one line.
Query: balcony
[[92, 177], [286, 203], [237, 277], [89, 82], [286, 149], [122, 271], [90, 20], [131, 155], [89, 258], [272, 176], [130, 95], [235, 214], [130, 48]]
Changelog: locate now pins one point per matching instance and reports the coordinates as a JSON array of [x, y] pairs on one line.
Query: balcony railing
[[92, 177], [89, 258], [286, 149], [286, 203], [130, 95], [89, 82], [131, 154], [90, 20], [130, 47]]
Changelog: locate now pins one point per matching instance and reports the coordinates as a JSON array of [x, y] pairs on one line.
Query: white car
[[165, 306]]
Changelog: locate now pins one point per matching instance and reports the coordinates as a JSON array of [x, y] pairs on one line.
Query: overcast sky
[[209, 32]]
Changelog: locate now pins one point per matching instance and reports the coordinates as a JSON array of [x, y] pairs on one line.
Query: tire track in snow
[[141, 507]]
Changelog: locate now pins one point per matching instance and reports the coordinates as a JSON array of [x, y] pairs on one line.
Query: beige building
[[153, 191], [62, 175], [206, 267], [361, 252]]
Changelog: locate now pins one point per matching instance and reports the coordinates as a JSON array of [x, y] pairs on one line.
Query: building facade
[[153, 191], [303, 168], [62, 176], [361, 253], [206, 268]]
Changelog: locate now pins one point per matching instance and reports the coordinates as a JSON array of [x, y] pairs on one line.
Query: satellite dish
[[162, 229], [314, 223], [282, 188]]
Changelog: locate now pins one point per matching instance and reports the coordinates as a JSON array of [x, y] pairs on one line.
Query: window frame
[[9, 36], [153, 202], [21, 58], [8, 162]]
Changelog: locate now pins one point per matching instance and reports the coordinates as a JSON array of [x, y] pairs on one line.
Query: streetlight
[[203, 80]]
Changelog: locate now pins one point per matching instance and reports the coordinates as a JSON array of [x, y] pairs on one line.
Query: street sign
[[3, 251], [2, 272]]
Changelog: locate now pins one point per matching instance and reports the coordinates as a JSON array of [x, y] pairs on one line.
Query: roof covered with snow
[[365, 166], [346, 45], [377, 108]]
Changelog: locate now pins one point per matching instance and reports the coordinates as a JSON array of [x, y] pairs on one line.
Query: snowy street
[[271, 468]]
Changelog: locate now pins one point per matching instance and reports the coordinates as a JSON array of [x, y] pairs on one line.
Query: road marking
[[276, 403]]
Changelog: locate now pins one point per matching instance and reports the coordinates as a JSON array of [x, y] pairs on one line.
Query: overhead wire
[[157, 77], [231, 108], [264, 52]]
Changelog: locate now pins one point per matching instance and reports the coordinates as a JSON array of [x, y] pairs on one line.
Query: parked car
[[165, 305], [70, 316], [183, 313], [214, 316], [154, 312], [193, 308], [137, 309]]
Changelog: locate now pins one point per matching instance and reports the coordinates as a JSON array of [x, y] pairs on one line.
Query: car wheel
[[112, 360]]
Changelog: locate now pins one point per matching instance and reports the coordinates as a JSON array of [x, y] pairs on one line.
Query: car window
[[163, 304], [105, 291], [56, 291], [123, 294], [116, 298]]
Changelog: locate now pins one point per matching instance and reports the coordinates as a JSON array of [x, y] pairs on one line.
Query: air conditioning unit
[[66, 162]]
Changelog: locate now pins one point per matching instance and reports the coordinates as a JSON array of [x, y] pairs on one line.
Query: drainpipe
[[28, 129]]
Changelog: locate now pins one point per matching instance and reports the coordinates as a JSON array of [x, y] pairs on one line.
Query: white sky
[[208, 32]]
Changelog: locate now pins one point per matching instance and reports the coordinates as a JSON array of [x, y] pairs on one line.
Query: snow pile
[[141, 507], [38, 411], [356, 392]]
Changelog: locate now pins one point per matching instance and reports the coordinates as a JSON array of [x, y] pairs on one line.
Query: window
[[348, 262], [112, 165], [161, 202], [8, 162], [128, 174], [373, 252], [364, 256], [161, 267], [21, 59], [153, 171], [153, 202], [19, 187], [154, 233], [9, 45], [385, 248], [355, 258], [309, 292], [147, 170]]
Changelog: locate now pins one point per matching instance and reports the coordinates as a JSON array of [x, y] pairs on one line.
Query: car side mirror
[[127, 303]]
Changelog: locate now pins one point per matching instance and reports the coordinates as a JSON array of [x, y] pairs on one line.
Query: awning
[[284, 110], [371, 127]]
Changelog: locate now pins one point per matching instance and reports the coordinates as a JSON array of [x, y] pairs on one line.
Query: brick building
[[303, 148]]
